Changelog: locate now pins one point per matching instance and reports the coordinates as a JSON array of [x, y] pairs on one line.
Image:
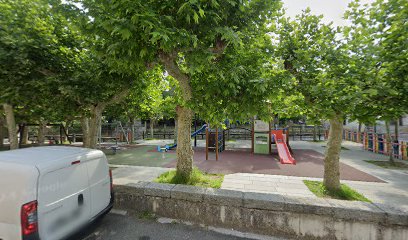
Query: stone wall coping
[[347, 210]]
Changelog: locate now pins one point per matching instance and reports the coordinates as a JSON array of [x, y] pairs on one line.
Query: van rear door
[[18, 186], [64, 200], [99, 184]]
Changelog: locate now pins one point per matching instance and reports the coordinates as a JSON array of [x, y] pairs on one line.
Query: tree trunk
[[389, 142], [11, 126], [91, 126], [175, 130], [359, 132], [184, 149], [24, 139], [315, 133], [94, 125], [40, 133], [151, 128], [85, 131], [133, 123], [332, 157], [184, 115], [145, 129], [2, 130], [396, 130]]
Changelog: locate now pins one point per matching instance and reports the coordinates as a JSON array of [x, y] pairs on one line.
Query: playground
[[309, 163], [264, 173], [268, 152]]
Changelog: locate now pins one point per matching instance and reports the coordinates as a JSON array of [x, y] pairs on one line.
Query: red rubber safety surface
[[309, 163]]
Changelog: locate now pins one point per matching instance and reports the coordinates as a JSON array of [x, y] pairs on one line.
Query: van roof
[[41, 157]]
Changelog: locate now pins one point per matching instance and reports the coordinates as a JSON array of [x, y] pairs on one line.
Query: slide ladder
[[284, 154]]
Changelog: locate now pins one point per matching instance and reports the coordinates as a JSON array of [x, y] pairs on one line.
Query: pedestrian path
[[249, 182], [393, 191], [123, 175]]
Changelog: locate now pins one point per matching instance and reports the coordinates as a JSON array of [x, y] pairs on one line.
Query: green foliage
[[376, 41], [197, 178], [154, 100], [35, 52], [316, 64], [140, 33], [346, 193]]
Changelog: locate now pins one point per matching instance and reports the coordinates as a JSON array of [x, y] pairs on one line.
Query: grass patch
[[231, 140], [346, 193], [197, 178], [388, 164], [147, 139]]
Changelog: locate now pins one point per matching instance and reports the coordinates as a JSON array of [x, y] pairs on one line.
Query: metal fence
[[377, 142]]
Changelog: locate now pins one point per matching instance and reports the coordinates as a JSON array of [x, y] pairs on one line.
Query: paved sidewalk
[[394, 191], [123, 175], [249, 182]]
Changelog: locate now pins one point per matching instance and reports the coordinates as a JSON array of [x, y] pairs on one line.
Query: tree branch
[[169, 62], [115, 99]]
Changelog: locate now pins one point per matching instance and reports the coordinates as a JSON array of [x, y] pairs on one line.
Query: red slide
[[283, 151]]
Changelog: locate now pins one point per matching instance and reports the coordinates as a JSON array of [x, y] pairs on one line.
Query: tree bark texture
[[396, 130], [184, 115], [389, 141], [331, 179], [41, 133], [24, 139], [94, 125], [2, 130], [11, 126], [184, 149], [315, 133], [152, 128], [175, 130], [91, 125], [85, 131]]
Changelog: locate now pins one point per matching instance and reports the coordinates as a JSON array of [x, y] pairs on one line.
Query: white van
[[49, 193]]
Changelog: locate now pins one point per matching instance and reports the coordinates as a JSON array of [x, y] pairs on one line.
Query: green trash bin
[[261, 143]]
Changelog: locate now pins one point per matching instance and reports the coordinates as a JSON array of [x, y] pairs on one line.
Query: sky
[[332, 10]]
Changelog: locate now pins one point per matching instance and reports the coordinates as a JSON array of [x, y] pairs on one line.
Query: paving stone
[[268, 178], [260, 187], [266, 183], [237, 181]]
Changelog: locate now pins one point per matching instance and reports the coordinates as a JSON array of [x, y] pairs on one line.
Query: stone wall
[[277, 215]]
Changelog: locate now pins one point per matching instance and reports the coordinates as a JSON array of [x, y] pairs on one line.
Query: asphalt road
[[115, 226]]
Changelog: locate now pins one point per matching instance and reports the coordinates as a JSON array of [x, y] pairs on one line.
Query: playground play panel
[[309, 163]]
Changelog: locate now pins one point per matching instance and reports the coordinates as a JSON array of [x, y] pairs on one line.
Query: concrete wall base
[[266, 214]]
